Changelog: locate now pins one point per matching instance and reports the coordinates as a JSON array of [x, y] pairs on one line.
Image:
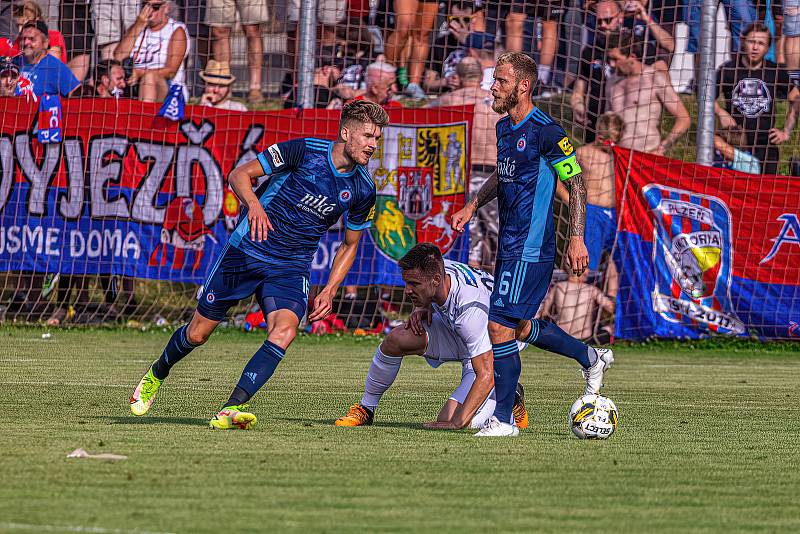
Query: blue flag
[[50, 119], [174, 105]]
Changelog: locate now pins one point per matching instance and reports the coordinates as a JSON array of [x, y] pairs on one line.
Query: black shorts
[[549, 10], [75, 21]]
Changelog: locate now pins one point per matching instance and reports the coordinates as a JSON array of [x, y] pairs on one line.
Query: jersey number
[[504, 283]]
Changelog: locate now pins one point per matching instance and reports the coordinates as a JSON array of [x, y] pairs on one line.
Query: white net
[[117, 214]]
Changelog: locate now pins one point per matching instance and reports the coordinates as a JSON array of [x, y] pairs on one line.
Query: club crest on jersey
[[277, 157], [565, 146], [345, 195], [210, 297], [521, 144], [692, 259]]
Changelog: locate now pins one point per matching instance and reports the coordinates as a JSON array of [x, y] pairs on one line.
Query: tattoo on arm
[[487, 192], [791, 116], [577, 206]]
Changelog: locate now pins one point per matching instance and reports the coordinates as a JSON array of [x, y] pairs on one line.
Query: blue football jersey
[[304, 196], [529, 157]]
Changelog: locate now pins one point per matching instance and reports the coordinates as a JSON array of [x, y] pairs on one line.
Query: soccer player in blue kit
[[312, 183], [532, 150]]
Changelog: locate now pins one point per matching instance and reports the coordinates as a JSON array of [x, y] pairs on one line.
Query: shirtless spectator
[[574, 306], [381, 86], [588, 100], [483, 230], [639, 93], [751, 86], [158, 45], [597, 161]]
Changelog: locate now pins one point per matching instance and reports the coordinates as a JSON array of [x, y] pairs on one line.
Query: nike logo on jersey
[[317, 205]]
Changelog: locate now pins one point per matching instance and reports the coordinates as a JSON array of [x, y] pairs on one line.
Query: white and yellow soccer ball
[[593, 417]]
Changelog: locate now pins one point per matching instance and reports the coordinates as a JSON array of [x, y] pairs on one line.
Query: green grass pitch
[[708, 442]]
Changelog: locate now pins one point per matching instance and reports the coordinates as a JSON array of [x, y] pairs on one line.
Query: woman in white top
[[158, 46]]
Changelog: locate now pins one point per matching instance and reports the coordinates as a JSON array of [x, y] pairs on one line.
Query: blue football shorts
[[519, 288], [236, 276]]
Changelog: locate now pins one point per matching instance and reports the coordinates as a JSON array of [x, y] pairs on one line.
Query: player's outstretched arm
[[483, 365], [577, 255], [241, 181], [342, 262], [486, 194]]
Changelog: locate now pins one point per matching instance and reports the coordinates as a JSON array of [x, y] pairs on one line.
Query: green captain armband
[[567, 168]]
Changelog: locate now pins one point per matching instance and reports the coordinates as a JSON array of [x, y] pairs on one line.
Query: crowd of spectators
[[419, 52]]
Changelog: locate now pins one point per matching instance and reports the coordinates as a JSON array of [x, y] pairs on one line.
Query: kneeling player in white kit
[[449, 323]]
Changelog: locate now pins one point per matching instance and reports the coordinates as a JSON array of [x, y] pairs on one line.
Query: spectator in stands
[[751, 85], [112, 18], [325, 79], [659, 43], [219, 79], [45, 73], [109, 81], [791, 39], [75, 20], [381, 86], [158, 45], [639, 93], [588, 100], [484, 229], [481, 46], [739, 14], [221, 16], [574, 305], [407, 46], [30, 11], [726, 143], [9, 76], [597, 161], [463, 18]]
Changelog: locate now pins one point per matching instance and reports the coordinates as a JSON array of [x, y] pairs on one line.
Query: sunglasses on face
[[607, 20], [154, 7], [463, 19]]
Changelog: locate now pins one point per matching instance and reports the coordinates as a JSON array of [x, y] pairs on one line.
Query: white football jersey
[[465, 313]]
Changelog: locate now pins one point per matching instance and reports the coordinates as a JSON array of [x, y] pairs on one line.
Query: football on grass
[[593, 417]]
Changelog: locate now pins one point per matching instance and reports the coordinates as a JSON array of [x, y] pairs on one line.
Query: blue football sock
[[548, 336], [256, 373], [176, 349], [507, 367]]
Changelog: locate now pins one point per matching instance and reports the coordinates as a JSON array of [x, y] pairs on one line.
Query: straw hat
[[218, 73]]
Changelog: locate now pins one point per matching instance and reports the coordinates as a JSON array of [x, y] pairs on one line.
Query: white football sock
[[382, 372]]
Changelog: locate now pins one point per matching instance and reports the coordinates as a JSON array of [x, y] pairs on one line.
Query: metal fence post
[[307, 35], [706, 79]]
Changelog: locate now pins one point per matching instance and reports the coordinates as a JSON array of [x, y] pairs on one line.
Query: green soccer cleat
[[145, 393], [232, 418]]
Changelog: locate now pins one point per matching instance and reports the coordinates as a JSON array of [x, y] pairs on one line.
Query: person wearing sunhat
[[219, 79]]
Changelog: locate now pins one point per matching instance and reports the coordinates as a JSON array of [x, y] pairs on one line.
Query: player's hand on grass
[[462, 217], [259, 222], [577, 255], [323, 305], [441, 425], [416, 320]]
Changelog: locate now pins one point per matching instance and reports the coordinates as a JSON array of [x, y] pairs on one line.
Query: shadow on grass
[[329, 422], [132, 420]]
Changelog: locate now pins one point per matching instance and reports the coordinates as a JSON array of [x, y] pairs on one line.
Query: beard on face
[[509, 102]]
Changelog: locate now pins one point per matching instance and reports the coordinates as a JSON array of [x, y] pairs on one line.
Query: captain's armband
[[567, 168]]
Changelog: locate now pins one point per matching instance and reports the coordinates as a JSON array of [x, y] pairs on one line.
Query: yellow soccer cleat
[[233, 418], [145, 393], [519, 411], [357, 416]]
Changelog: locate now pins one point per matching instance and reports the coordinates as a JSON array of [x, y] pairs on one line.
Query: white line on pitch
[[73, 528]]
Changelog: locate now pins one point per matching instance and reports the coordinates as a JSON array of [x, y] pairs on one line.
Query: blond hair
[[610, 126], [364, 112], [524, 66]]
